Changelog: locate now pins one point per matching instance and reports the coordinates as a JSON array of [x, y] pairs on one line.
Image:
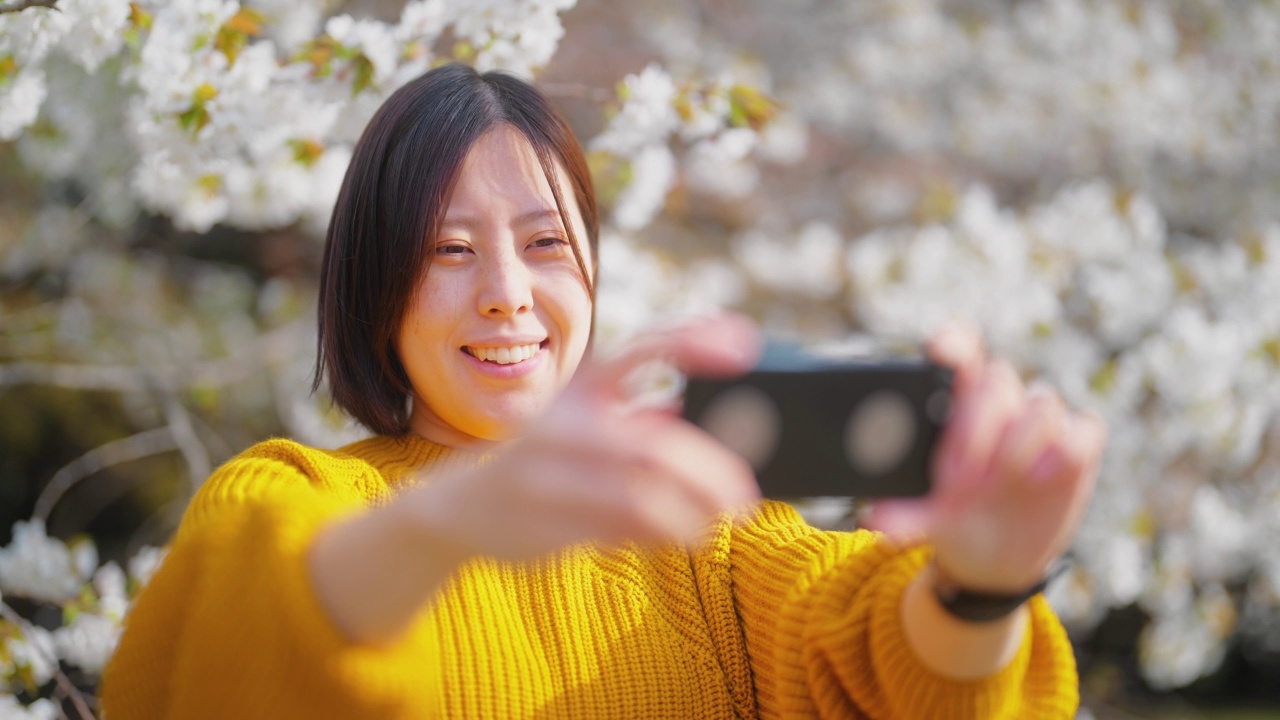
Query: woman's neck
[[429, 426]]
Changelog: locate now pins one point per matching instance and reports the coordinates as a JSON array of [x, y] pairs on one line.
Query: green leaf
[[139, 19], [1271, 349], [8, 68], [750, 107], [1105, 378], [197, 116], [210, 183], [306, 152], [203, 397], [194, 118], [230, 42], [246, 22], [364, 74], [463, 51]]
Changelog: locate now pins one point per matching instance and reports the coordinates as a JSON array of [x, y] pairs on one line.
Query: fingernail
[[950, 326], [1045, 467], [1038, 388]]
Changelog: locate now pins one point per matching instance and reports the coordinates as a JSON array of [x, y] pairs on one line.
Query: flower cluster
[[197, 88], [87, 31], [716, 123], [1090, 182], [1174, 97], [93, 601], [1173, 342]]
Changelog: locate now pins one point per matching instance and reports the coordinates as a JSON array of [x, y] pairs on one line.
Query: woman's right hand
[[593, 469]]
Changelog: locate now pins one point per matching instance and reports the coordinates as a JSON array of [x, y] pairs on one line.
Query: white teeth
[[505, 355]]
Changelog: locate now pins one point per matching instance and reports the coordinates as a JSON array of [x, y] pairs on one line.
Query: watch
[[980, 607]]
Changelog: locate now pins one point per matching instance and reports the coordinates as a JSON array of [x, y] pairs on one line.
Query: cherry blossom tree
[[1090, 181]]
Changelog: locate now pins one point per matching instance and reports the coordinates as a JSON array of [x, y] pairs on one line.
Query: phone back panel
[[864, 429]]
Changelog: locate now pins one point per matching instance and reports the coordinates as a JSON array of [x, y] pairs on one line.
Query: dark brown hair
[[389, 210]]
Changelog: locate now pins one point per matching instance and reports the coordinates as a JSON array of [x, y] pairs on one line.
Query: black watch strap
[[981, 607]]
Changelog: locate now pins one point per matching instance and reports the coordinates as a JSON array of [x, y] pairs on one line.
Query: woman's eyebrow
[[470, 222]]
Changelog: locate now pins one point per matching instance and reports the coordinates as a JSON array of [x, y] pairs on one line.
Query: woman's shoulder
[[373, 466], [283, 466], [284, 456]]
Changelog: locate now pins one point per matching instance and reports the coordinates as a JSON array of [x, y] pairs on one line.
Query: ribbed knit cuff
[[908, 683], [859, 652]]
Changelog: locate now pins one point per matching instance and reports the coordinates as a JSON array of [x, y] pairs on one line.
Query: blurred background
[[1096, 184]]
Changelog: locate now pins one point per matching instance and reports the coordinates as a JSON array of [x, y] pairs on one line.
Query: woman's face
[[501, 319]]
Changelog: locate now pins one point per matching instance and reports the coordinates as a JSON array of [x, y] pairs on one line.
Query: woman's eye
[[450, 249], [549, 241]]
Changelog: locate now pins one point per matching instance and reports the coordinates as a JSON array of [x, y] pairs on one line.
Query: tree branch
[[21, 5], [184, 436], [64, 682], [270, 348], [148, 442]]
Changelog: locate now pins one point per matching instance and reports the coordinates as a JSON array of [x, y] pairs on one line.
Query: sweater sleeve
[[821, 619], [230, 626]]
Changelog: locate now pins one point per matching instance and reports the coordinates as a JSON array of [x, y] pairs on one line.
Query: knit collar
[[400, 457]]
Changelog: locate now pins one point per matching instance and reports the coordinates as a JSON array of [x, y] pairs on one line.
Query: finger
[[569, 487], [1079, 451], [1041, 424], [957, 344], [716, 478], [901, 520], [653, 440], [1070, 472], [650, 472], [723, 345], [971, 435], [664, 510], [575, 497]]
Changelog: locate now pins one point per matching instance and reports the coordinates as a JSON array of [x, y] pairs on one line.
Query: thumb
[[901, 520], [726, 344]]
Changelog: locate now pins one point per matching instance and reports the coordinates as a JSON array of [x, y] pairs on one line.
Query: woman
[[515, 542]]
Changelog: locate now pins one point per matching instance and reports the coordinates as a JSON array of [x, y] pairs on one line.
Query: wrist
[[955, 648], [980, 605], [427, 520]]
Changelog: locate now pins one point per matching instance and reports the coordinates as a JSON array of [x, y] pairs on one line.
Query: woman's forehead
[[502, 172]]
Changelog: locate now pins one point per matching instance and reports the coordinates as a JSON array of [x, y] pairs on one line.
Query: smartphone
[[813, 426]]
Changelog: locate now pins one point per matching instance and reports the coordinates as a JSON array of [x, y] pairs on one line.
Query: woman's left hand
[[1012, 474]]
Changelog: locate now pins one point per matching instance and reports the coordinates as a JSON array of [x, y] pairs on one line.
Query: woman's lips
[[510, 371]]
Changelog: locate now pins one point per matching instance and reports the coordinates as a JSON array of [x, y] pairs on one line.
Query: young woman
[[515, 542]]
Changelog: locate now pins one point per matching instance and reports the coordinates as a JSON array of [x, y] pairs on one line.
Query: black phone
[[813, 426]]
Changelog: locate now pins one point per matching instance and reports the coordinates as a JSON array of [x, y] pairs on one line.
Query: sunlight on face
[[501, 319]]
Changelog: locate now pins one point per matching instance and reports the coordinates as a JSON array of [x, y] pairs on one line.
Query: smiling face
[[502, 316]]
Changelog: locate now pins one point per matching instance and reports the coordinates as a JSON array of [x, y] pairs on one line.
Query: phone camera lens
[[879, 433], [747, 421]]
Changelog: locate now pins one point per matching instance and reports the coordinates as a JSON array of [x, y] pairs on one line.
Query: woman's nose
[[506, 286]]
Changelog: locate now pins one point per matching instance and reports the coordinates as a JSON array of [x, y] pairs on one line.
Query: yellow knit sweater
[[771, 619]]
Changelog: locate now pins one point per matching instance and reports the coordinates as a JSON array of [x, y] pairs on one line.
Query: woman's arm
[[374, 573], [824, 632], [230, 625], [838, 624], [587, 471], [952, 647], [1012, 476]]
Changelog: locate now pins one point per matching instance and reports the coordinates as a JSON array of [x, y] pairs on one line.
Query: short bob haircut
[[389, 212]]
